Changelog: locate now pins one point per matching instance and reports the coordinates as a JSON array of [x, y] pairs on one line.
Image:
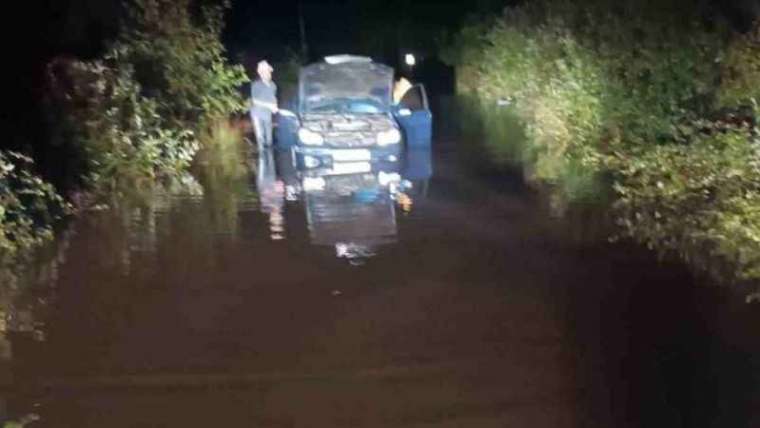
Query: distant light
[[410, 60]]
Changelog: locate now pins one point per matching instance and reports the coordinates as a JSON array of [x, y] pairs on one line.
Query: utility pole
[[403, 34], [302, 32]]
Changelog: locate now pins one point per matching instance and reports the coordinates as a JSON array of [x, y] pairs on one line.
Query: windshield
[[347, 106], [355, 88]]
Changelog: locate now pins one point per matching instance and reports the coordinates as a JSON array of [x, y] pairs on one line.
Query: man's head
[[264, 70]]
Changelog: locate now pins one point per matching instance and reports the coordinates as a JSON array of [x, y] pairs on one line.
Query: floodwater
[[423, 296]]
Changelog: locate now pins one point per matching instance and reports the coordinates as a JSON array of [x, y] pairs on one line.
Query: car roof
[[344, 58], [345, 64]]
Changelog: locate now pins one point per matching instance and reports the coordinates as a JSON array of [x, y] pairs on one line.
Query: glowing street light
[[410, 60]]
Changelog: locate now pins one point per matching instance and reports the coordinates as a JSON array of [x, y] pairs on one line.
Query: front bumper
[[317, 158]]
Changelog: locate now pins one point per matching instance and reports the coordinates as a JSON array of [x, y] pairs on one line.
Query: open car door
[[413, 115]]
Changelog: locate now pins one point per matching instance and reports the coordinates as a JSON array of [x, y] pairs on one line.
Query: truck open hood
[[321, 82]]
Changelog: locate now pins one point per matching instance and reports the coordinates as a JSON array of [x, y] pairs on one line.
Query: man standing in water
[[264, 104]]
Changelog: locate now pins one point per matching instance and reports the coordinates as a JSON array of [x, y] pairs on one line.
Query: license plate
[[350, 168], [351, 155]]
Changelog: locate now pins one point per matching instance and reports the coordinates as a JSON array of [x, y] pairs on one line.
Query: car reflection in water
[[271, 191], [349, 206]]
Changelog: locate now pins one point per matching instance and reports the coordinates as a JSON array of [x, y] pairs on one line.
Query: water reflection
[[354, 213], [271, 194], [351, 206], [203, 301]]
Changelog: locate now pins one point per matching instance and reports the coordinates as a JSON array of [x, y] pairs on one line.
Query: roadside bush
[[741, 71], [585, 77], [178, 58], [135, 113], [557, 90], [121, 134], [124, 120], [700, 200], [222, 154], [649, 94], [221, 170], [28, 206]]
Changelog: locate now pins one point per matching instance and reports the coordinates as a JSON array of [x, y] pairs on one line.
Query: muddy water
[[425, 295]]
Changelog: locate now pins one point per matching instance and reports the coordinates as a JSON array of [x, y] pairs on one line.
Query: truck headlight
[[310, 138], [386, 138]]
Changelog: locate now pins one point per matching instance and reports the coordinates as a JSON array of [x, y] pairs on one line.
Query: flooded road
[[420, 296]]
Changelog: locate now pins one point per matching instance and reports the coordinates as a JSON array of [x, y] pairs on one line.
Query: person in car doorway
[[264, 104], [400, 87]]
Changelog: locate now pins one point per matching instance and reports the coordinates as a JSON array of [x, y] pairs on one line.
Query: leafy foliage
[[700, 200], [742, 71], [28, 205], [129, 117], [179, 60], [221, 170], [582, 77], [136, 112], [123, 137], [632, 90]]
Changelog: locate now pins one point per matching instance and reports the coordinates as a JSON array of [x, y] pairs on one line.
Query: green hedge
[[647, 93], [136, 113], [28, 205], [128, 118]]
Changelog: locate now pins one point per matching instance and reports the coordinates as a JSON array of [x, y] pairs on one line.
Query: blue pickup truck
[[344, 115]]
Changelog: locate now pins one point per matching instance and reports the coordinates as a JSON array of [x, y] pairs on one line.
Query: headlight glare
[[391, 136], [310, 138]]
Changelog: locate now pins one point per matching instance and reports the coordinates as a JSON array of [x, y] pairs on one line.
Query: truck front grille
[[349, 140]]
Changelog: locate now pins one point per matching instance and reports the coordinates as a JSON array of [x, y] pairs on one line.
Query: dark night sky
[[265, 27], [255, 29], [333, 26]]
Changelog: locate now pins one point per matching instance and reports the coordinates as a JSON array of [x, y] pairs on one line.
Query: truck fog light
[[310, 161], [389, 137]]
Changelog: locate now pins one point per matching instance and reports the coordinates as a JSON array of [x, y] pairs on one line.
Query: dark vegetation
[[658, 99], [127, 118]]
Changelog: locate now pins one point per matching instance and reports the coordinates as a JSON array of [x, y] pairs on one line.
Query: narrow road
[[472, 308]]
